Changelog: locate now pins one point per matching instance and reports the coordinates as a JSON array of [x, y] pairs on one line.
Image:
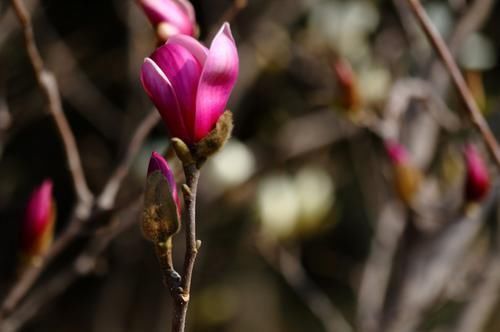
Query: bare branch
[[288, 266], [473, 111], [107, 198], [48, 85]]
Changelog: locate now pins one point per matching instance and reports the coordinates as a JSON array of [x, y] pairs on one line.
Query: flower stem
[[182, 294]]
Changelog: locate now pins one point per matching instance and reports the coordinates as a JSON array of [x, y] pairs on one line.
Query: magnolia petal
[[188, 8], [169, 11], [477, 182], [217, 81], [183, 71], [158, 163], [194, 47], [160, 91], [38, 216]]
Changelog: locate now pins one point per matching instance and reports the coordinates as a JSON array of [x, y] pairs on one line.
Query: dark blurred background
[[287, 211]]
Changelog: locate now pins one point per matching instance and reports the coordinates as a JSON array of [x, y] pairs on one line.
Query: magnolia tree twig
[[48, 85], [182, 294], [444, 53], [26, 281], [83, 265], [108, 196], [378, 268], [288, 266], [431, 262]]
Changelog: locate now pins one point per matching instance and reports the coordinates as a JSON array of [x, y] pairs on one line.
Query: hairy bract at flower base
[[190, 84]]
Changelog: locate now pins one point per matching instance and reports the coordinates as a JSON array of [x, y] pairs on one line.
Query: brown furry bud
[[160, 218]]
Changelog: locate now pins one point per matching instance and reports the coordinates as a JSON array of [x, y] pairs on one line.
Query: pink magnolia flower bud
[[38, 226], [477, 183], [407, 177], [397, 153], [158, 163], [190, 84], [162, 208], [348, 86], [176, 15]]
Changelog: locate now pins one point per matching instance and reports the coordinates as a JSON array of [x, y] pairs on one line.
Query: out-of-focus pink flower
[[397, 153], [407, 177], [348, 86], [177, 15], [39, 219], [190, 84], [477, 183], [158, 163]]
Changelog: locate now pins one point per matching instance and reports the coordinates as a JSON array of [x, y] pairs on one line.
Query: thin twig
[[458, 80], [482, 302], [48, 85], [378, 268], [292, 271], [84, 210], [26, 281], [183, 294], [108, 196], [83, 265], [472, 20], [430, 263]]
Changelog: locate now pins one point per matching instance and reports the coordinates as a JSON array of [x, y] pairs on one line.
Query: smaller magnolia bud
[[216, 139], [161, 214], [346, 78], [407, 178], [38, 226], [170, 17], [477, 182], [182, 151]]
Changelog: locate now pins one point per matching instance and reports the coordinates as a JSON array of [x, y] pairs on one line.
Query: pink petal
[[188, 8], [183, 71], [37, 214], [397, 153], [158, 163], [171, 12], [199, 51], [478, 179], [161, 92], [217, 81]]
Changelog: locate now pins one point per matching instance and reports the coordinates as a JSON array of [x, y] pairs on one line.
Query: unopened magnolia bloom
[[39, 219], [406, 176], [190, 84], [158, 163], [348, 86], [174, 16], [161, 216], [397, 153], [477, 183]]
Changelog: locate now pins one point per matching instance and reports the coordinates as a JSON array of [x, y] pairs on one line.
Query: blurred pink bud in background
[[397, 153], [190, 84], [407, 177], [38, 226], [177, 15], [477, 183], [346, 78]]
